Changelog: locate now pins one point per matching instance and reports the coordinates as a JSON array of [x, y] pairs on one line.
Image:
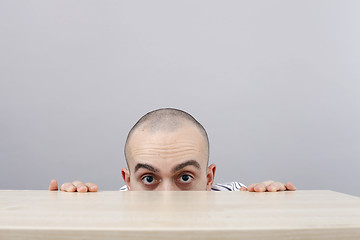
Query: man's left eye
[[185, 178]]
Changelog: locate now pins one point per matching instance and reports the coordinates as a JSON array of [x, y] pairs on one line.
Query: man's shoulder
[[231, 186]]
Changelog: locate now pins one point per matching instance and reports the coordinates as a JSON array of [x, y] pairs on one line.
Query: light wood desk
[[179, 215]]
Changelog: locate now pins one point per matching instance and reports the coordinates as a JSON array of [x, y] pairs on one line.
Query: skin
[[169, 161], [179, 160]]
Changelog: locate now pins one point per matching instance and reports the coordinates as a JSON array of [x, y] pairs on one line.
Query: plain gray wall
[[275, 83]]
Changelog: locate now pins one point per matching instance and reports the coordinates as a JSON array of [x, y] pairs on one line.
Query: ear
[[126, 176], [210, 175]]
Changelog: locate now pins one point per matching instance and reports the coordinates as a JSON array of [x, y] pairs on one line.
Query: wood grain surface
[[179, 215]]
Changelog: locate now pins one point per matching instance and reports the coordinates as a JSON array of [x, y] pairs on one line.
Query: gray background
[[275, 83]]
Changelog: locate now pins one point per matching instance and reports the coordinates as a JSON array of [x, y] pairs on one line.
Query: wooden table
[[179, 215]]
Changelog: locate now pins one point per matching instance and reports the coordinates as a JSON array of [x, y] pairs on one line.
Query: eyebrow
[[146, 166], [175, 169], [187, 163]]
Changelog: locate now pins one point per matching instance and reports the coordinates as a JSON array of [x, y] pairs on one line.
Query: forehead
[[167, 147]]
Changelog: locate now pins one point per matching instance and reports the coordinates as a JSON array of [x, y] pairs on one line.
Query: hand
[[271, 186], [75, 186]]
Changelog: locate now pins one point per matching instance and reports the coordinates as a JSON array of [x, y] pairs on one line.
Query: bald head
[[165, 120]]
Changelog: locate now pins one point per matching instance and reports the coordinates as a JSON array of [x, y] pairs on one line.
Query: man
[[168, 149]]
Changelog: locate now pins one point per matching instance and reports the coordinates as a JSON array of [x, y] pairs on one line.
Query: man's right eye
[[148, 179]]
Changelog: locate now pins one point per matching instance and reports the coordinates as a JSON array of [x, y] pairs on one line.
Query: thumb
[[53, 186]]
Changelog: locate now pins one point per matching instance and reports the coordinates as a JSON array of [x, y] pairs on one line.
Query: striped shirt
[[231, 186]]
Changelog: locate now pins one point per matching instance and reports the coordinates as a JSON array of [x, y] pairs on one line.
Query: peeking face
[[168, 160]]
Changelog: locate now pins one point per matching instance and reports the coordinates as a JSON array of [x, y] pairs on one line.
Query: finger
[[260, 187], [251, 187], [282, 187], [68, 187], [243, 189], [276, 186], [289, 186], [92, 187], [53, 186], [81, 188], [76, 183]]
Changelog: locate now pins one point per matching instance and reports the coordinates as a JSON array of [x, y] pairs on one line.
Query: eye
[[186, 178], [148, 180]]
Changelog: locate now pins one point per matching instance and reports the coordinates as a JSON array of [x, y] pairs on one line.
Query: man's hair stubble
[[168, 120]]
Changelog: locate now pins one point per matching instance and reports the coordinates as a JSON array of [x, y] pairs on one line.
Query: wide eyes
[[186, 178], [148, 180], [182, 179]]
